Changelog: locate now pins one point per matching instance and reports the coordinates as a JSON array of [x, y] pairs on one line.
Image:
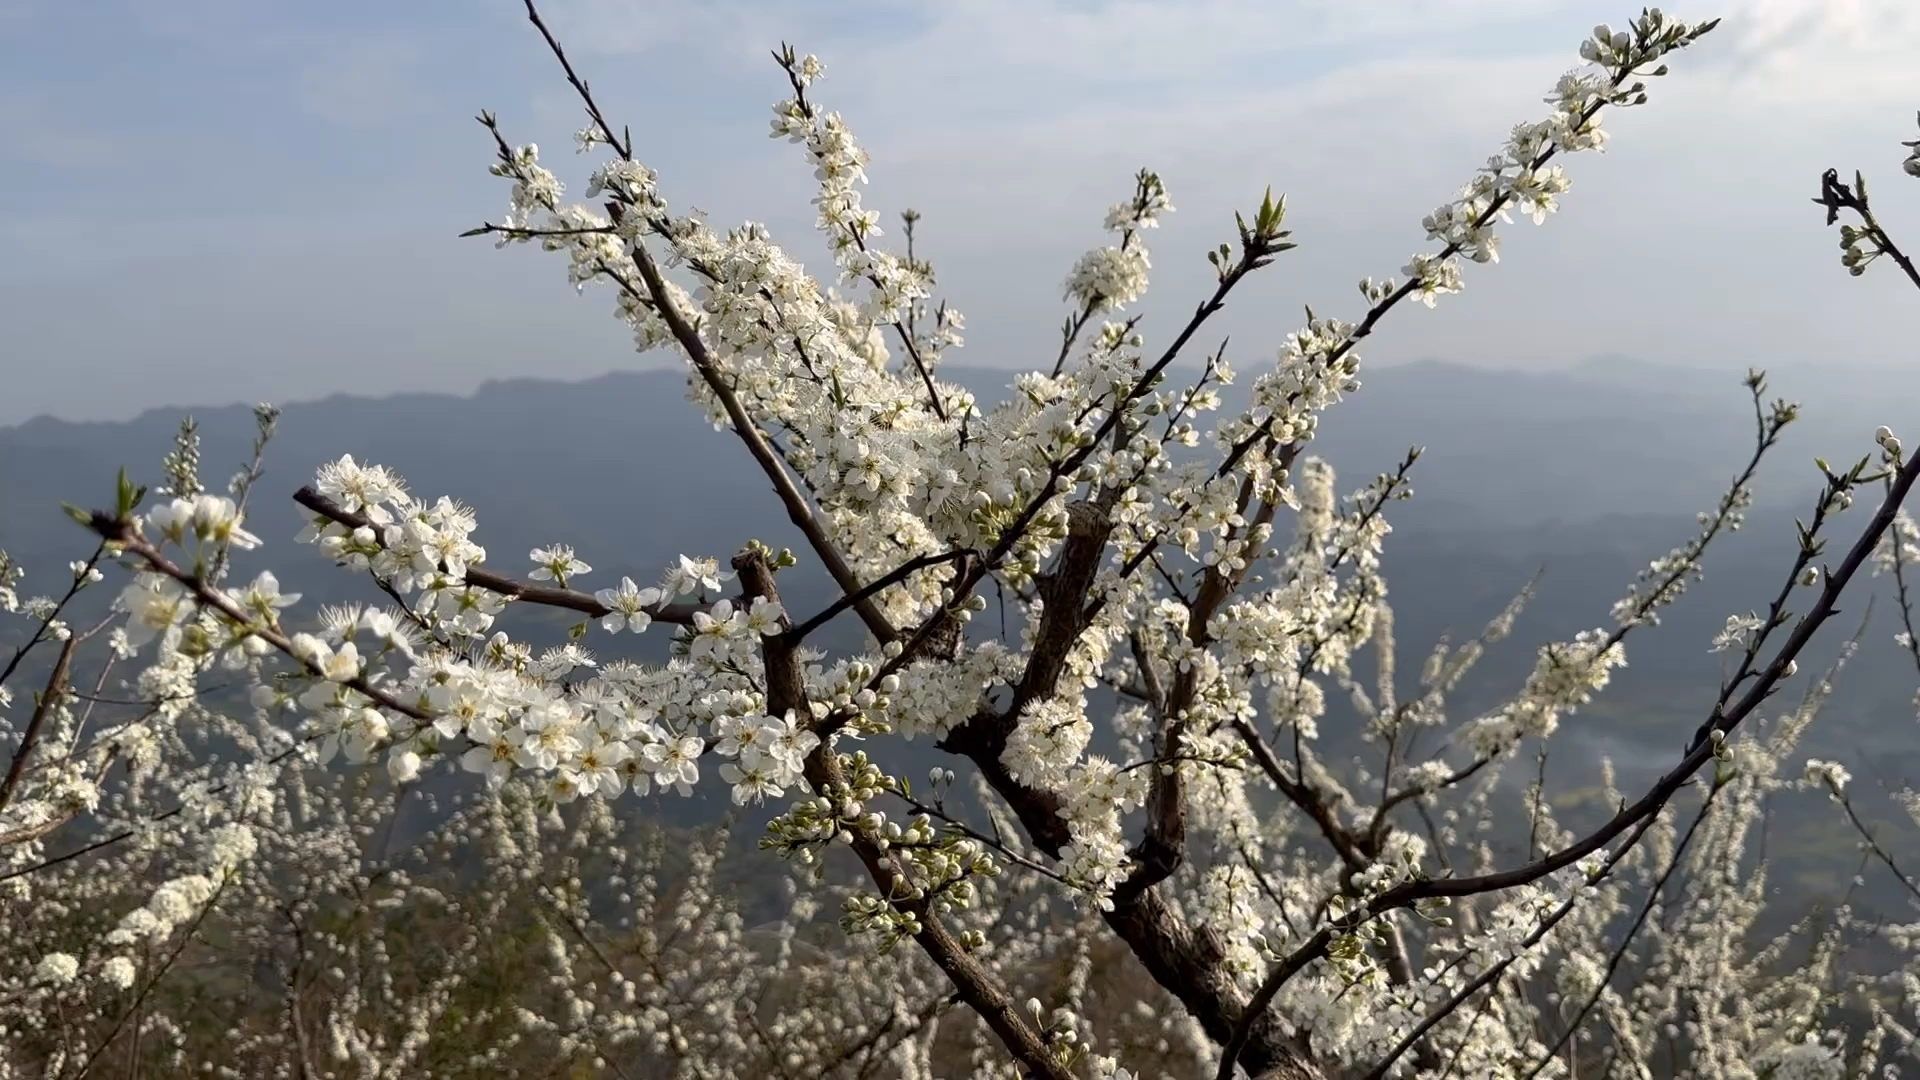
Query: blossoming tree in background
[[1288, 915]]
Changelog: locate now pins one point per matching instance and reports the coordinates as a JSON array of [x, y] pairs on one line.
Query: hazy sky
[[211, 201]]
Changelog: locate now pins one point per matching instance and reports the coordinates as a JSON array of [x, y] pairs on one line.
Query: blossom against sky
[[226, 200]]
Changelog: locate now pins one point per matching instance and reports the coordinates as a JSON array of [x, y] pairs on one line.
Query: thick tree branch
[[978, 987]]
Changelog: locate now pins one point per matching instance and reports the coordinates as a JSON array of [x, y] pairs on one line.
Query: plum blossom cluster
[[1112, 277], [1828, 774], [498, 707], [387, 977], [1318, 363]]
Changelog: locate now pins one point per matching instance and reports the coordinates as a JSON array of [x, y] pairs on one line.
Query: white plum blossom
[[1829, 775], [628, 606], [1737, 632], [556, 563], [56, 968], [118, 972]]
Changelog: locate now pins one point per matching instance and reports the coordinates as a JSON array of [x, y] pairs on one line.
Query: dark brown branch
[[1163, 848], [874, 588], [798, 509], [125, 534], [56, 685], [979, 987], [545, 596], [1640, 814], [1619, 954]]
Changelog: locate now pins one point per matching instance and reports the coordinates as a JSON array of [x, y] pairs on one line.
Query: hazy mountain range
[[1587, 472]]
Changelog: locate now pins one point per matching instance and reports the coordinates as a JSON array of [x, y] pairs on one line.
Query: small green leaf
[[126, 494]]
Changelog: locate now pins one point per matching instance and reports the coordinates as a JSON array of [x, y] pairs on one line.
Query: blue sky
[[228, 200]]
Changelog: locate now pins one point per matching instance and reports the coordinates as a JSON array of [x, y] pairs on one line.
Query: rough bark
[[1191, 964], [976, 985]]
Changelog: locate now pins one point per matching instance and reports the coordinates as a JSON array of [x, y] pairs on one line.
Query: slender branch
[[1413, 284], [623, 146], [1626, 940], [127, 536], [40, 632], [858, 237], [1903, 594], [580, 932], [1874, 848], [141, 998], [798, 509], [874, 588], [546, 596], [1835, 197], [56, 685], [1495, 971], [978, 986], [1635, 818], [702, 359], [996, 843]]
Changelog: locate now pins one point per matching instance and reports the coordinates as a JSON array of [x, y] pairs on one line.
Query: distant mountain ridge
[[1607, 435], [1591, 471]]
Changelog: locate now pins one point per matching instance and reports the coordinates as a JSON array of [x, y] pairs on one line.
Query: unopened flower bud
[[403, 766]]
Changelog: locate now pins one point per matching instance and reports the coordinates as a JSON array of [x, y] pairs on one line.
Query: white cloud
[[1813, 56], [1113, 36], [1013, 124]]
